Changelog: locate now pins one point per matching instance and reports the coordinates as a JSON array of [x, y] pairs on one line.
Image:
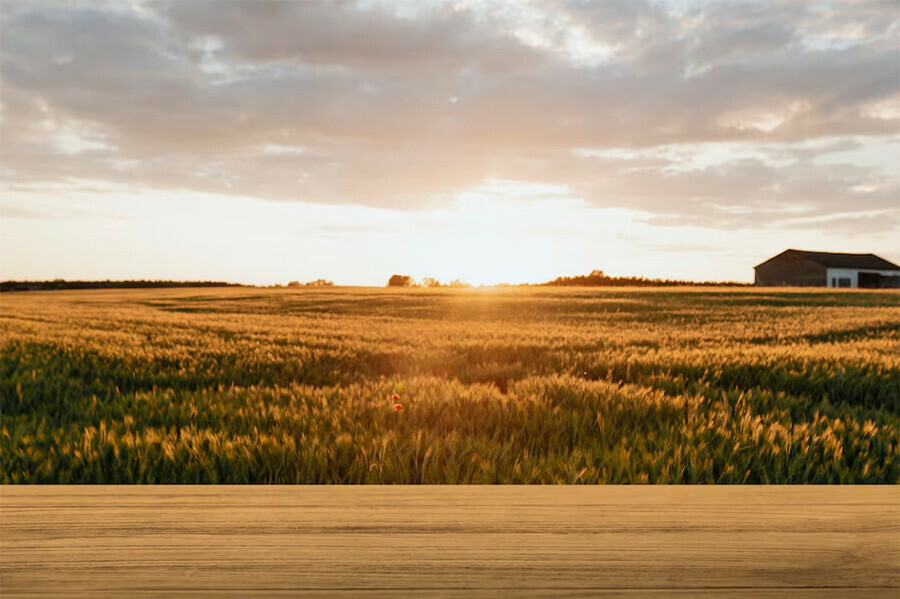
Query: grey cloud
[[405, 110], [352, 35]]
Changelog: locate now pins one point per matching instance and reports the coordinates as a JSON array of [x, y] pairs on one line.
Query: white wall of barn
[[836, 274]]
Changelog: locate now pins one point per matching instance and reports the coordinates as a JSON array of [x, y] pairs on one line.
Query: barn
[[800, 268]]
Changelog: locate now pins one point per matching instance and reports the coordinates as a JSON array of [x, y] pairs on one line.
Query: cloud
[[352, 36], [408, 105]]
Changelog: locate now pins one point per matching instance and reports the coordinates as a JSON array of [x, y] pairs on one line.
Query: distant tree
[[457, 283], [319, 283], [400, 281], [294, 284], [430, 282]]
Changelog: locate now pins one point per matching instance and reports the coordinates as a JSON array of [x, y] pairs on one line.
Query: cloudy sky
[[266, 141]]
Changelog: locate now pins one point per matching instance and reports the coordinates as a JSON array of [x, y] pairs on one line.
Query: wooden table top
[[450, 541]]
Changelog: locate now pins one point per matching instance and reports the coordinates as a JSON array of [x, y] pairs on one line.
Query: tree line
[[408, 281], [141, 284], [597, 278]]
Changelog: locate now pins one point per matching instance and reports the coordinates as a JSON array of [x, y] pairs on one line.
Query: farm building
[[800, 268]]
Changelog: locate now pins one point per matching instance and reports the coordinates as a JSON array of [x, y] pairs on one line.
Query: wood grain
[[460, 541]]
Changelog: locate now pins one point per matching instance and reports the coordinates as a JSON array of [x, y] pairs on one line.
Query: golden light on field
[[523, 385]]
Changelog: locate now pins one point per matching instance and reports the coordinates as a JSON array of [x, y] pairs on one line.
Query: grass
[[522, 385]]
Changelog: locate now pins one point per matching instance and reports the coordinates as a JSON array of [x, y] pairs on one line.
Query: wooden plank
[[459, 541]]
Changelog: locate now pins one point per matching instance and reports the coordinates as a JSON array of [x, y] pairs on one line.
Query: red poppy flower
[[398, 406], [395, 397]]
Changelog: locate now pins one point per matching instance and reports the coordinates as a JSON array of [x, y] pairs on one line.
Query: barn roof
[[839, 260]]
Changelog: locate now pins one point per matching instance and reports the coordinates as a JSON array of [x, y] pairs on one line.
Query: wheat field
[[513, 385]]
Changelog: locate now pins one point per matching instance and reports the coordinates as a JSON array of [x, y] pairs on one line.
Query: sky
[[263, 142]]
